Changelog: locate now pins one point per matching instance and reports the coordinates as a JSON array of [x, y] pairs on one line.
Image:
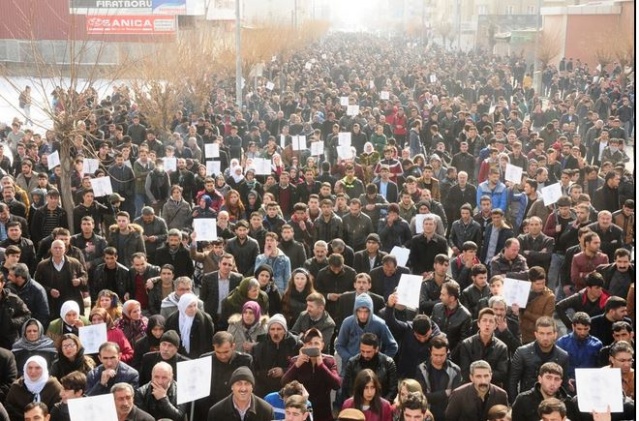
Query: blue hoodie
[[347, 344]]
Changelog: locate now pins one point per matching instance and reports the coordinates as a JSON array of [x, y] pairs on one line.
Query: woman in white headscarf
[[35, 386], [70, 321], [194, 327]]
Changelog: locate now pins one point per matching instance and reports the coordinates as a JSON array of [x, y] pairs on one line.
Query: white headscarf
[[185, 322], [36, 386], [67, 307]]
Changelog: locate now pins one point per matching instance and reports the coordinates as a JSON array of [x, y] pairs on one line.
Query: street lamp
[[238, 56]]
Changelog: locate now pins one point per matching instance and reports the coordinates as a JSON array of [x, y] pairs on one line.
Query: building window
[[510, 10]]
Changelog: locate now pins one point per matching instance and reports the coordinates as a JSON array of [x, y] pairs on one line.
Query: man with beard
[[244, 249], [123, 394], [548, 386], [472, 401], [370, 357], [582, 347]]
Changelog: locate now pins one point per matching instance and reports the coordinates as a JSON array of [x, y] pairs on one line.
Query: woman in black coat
[[194, 327]]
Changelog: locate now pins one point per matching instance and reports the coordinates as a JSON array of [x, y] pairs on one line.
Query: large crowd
[[358, 162]]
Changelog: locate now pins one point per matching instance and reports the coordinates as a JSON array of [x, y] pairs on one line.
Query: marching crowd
[[384, 161]]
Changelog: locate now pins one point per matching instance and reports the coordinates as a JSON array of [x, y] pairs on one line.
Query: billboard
[[131, 25], [127, 7]]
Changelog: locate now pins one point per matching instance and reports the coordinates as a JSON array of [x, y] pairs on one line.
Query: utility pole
[[238, 55], [536, 70]]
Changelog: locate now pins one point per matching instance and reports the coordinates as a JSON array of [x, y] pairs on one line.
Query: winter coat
[[347, 344], [268, 355], [124, 373], [383, 366], [538, 305], [525, 364], [241, 334], [177, 214], [19, 397], [132, 244], [201, 333], [160, 408], [98, 281]]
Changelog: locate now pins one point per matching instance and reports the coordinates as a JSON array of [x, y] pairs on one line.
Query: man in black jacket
[[158, 397], [528, 358], [168, 354], [173, 252], [225, 360], [242, 399], [370, 357], [548, 385], [13, 313], [216, 286], [32, 293]]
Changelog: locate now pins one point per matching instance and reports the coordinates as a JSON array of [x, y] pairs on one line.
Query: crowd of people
[[295, 302]]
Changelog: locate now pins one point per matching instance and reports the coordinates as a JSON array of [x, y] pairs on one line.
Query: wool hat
[[373, 237], [171, 337], [242, 373], [277, 318]]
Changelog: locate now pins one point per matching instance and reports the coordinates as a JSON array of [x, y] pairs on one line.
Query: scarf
[[68, 306], [186, 322], [36, 386], [42, 344], [257, 312]]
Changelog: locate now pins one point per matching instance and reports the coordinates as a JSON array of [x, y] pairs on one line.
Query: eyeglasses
[[68, 346], [624, 361]]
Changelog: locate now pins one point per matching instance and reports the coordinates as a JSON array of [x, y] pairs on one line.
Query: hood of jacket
[[132, 228], [363, 300]]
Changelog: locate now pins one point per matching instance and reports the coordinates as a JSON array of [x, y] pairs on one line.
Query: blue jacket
[[583, 354], [124, 373], [281, 266], [347, 344], [498, 195]]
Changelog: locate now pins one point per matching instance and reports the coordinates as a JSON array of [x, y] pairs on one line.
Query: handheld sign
[[206, 229], [599, 387], [54, 160], [514, 173], [401, 254], [408, 290], [195, 379], [92, 337], [516, 292], [551, 194], [101, 407]]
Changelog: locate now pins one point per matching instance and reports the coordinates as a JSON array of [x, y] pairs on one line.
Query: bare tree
[[74, 83], [549, 47]]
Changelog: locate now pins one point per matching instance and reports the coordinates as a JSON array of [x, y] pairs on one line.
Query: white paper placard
[[551, 194], [90, 166], [308, 65], [195, 379], [282, 141], [352, 110], [343, 101], [408, 290], [401, 254], [206, 229], [344, 138], [273, 58], [514, 173], [53, 160], [433, 78], [170, 163], [516, 292], [313, 61], [92, 336], [101, 186], [384, 95], [100, 407], [371, 84], [323, 56], [213, 167], [270, 86], [212, 150], [344, 152], [262, 166], [299, 143], [599, 387], [419, 223], [317, 148]]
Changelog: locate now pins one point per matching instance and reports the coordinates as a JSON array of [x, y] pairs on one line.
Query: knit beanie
[[242, 373], [277, 318], [171, 337]]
